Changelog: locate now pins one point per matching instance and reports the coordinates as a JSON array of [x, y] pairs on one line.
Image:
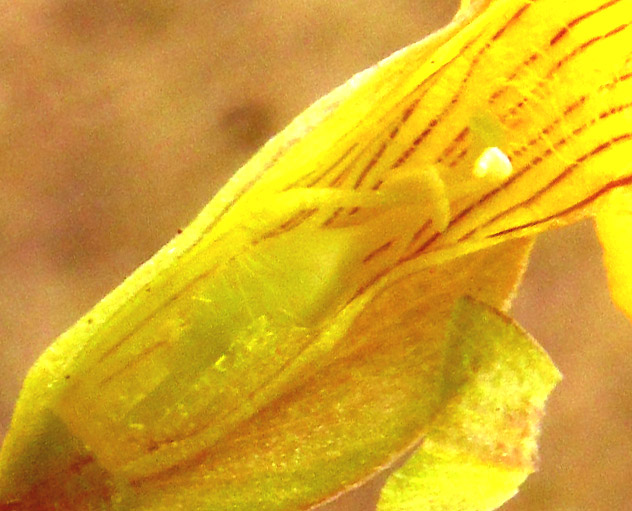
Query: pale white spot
[[493, 164]]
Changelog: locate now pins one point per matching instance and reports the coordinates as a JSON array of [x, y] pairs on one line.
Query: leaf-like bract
[[482, 444]]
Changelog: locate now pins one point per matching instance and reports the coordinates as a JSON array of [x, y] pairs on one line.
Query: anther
[[493, 164]]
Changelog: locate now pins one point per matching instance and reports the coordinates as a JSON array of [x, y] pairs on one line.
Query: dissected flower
[[309, 327]]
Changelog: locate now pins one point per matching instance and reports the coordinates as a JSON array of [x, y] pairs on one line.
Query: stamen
[[423, 187]]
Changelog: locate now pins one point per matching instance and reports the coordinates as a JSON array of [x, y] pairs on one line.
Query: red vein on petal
[[378, 251], [560, 177], [554, 40], [466, 211], [466, 78], [565, 31], [525, 63], [417, 236], [333, 217], [290, 224], [559, 64], [583, 47], [624, 181], [565, 174], [451, 147], [422, 89], [315, 176], [511, 21], [374, 161]]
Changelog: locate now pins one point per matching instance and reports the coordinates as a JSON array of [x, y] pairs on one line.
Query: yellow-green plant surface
[[296, 338]]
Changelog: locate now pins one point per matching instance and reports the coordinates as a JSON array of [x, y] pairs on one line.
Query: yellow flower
[[292, 340]]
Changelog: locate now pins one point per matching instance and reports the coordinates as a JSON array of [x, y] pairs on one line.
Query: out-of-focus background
[[119, 119]]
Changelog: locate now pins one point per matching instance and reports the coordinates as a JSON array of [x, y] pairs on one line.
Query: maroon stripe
[[565, 31]]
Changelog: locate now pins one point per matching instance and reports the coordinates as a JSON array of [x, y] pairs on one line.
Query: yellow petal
[[330, 432], [560, 92], [614, 226], [482, 444]]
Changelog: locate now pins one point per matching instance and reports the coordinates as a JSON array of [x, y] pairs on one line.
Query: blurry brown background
[[120, 118]]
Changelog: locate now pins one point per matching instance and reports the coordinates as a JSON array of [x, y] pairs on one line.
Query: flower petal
[[351, 411], [614, 227], [362, 222], [544, 83], [351, 418], [482, 444]]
